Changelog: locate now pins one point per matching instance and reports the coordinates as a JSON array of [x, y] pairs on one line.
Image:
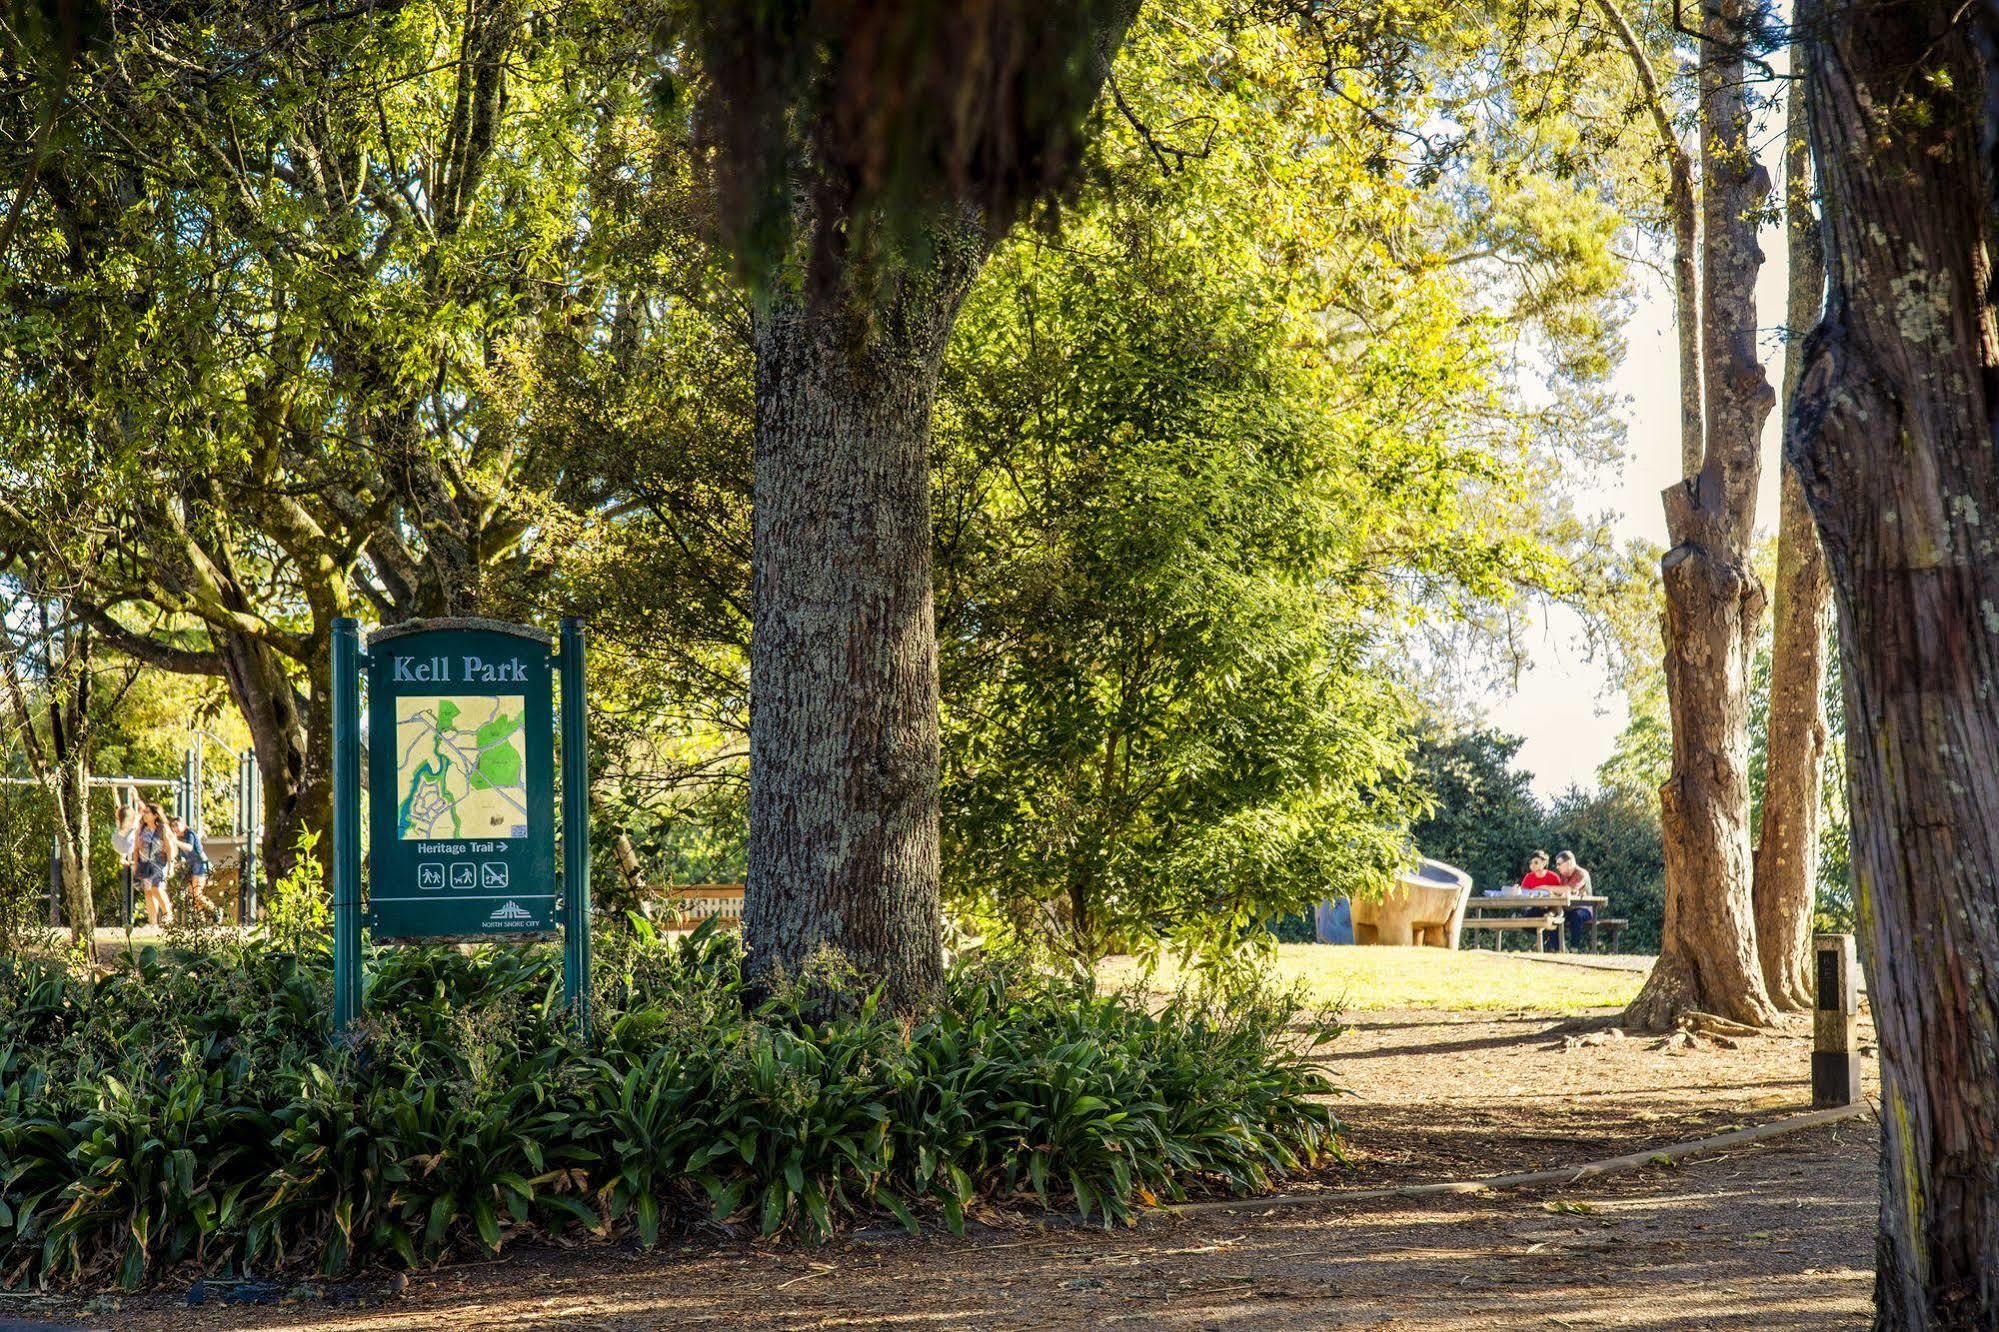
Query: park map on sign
[[459, 768]]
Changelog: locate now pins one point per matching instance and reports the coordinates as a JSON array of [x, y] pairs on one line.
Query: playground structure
[[232, 855], [1425, 905]]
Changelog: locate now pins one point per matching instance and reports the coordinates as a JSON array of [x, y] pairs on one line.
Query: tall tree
[[1714, 602], [1894, 440], [1181, 513], [281, 278], [869, 157], [1787, 850], [1144, 462], [47, 672]]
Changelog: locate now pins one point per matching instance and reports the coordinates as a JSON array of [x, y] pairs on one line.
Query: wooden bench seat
[[1500, 925], [1612, 927], [693, 903]]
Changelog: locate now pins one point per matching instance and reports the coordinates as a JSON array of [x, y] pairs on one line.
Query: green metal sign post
[[575, 830], [461, 793]]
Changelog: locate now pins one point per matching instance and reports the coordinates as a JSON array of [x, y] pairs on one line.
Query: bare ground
[[1772, 1236]]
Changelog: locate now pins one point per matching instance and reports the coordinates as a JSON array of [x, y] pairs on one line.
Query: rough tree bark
[[1708, 961], [1894, 440], [843, 660], [79, 893], [292, 739], [1787, 851], [844, 851]]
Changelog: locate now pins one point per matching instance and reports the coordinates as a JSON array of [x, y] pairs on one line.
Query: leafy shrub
[[298, 908], [191, 1115]]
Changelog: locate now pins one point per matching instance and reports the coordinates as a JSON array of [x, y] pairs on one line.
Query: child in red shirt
[[1538, 874], [1540, 877]]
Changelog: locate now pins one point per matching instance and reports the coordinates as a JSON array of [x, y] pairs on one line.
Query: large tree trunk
[[1787, 852], [291, 744], [1708, 961], [843, 650], [70, 737], [1895, 443]]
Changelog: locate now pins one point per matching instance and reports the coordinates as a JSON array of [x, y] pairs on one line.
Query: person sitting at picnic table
[[1576, 883], [1539, 878]]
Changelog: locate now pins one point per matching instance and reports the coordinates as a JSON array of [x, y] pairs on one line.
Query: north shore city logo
[[509, 912]]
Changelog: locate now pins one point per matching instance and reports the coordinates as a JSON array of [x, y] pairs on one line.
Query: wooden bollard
[[1835, 1016]]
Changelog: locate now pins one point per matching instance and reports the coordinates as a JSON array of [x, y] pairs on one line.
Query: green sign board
[[461, 793], [461, 782]]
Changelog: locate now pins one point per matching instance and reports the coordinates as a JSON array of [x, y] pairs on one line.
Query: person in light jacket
[[154, 852], [1576, 882]]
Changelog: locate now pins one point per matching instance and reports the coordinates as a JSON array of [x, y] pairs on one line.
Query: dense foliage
[[271, 307], [1272, 395], [1182, 513], [24, 864], [187, 1115]]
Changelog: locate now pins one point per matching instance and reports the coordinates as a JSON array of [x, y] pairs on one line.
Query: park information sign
[[461, 792], [461, 781]]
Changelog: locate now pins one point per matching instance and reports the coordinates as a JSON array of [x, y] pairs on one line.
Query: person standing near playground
[[153, 848], [127, 824], [188, 842]]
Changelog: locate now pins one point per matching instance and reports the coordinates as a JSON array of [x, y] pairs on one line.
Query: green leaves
[[888, 115], [467, 1115]]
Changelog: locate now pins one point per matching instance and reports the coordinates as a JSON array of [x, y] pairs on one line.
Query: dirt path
[[1774, 1236], [1454, 1096]]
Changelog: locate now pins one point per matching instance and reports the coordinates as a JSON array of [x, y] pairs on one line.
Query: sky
[[1564, 707]]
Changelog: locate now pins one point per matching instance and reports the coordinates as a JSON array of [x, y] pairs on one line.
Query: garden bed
[[189, 1115]]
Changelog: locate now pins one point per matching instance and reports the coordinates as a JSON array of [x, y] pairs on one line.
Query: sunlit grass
[[1372, 978]]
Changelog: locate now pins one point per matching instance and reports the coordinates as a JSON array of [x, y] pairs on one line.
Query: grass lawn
[[1363, 979]]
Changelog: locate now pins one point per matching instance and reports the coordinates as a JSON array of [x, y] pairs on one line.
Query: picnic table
[[690, 904], [1516, 910]]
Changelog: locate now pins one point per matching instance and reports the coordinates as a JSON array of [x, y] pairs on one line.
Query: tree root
[[1696, 1029], [1713, 1024], [1672, 995], [1589, 1040]]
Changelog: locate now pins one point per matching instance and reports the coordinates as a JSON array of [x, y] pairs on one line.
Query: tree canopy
[[426, 310]]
